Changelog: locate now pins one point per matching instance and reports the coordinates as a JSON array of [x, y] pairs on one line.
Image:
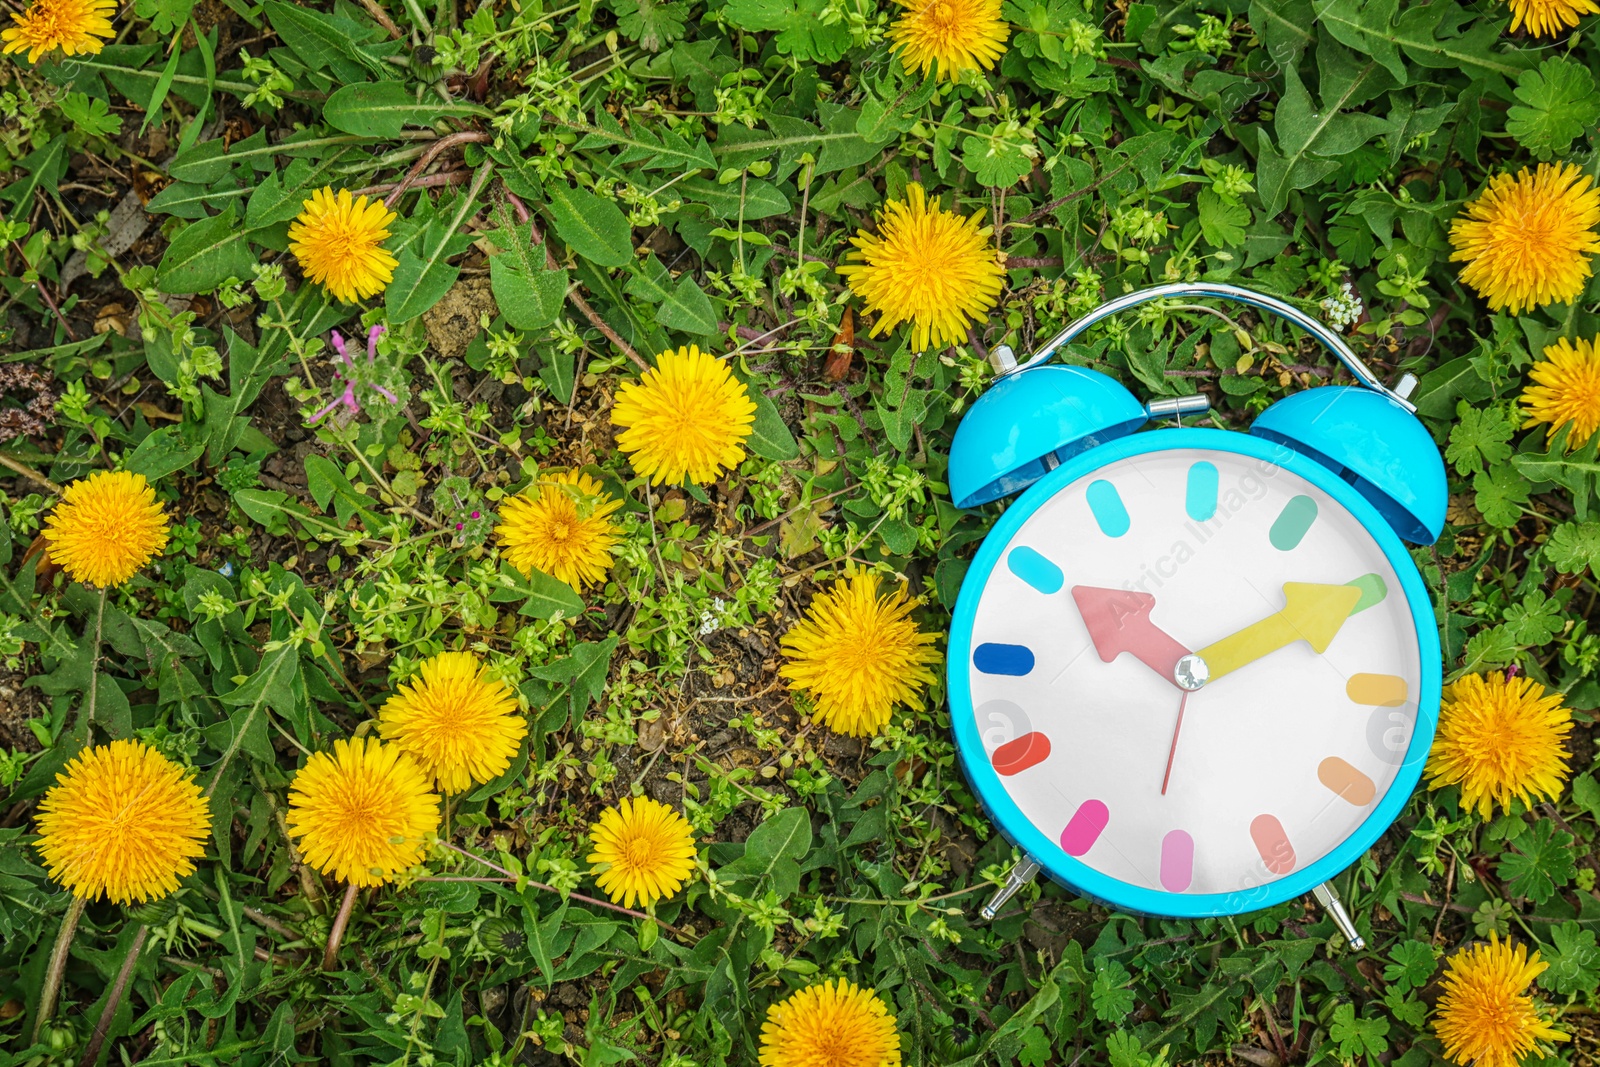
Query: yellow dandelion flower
[[1546, 18], [106, 527], [74, 26], [859, 654], [561, 526], [1499, 739], [929, 267], [460, 724], [1526, 241], [643, 851], [1566, 389], [955, 35], [338, 241], [122, 821], [1485, 1016], [362, 813], [686, 417], [834, 1024]]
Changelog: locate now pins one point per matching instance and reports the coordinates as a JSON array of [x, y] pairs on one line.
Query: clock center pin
[[1191, 672]]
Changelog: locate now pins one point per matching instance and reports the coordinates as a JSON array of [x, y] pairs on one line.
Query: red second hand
[[1173, 751]]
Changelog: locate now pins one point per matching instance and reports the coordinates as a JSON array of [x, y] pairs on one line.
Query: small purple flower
[[348, 397], [475, 514], [461, 526]]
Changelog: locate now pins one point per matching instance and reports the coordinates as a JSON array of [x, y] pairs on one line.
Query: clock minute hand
[[1119, 621], [1312, 613]]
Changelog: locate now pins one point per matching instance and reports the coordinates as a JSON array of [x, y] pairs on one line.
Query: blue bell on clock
[[1194, 671]]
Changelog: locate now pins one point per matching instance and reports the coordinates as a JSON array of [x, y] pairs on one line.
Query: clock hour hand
[[1119, 621], [1311, 613]]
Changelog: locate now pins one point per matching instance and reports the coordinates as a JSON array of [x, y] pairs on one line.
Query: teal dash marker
[[1109, 512], [1035, 569], [1201, 500]]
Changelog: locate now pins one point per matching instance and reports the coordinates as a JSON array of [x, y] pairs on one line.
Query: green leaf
[[92, 116], [542, 596], [206, 254], [1358, 1037], [997, 161], [1222, 224], [687, 308], [559, 374], [1112, 999], [1536, 621], [1479, 438], [655, 149], [801, 31], [1428, 34], [652, 23], [772, 853], [769, 435], [1574, 546], [1489, 649], [1539, 863], [272, 687], [163, 452], [423, 273], [761, 199], [1498, 494], [1311, 140], [325, 42], [1586, 793], [1574, 962], [529, 296], [328, 485], [591, 226], [1413, 965], [283, 194], [383, 109], [1557, 103]]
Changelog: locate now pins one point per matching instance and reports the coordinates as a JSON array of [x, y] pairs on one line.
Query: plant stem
[[58, 966], [94, 657], [29, 473], [120, 986], [330, 958]]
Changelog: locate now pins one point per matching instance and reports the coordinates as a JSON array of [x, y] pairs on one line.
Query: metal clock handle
[[1315, 327]]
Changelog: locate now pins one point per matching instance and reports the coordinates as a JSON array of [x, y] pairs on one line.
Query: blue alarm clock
[[1194, 672]]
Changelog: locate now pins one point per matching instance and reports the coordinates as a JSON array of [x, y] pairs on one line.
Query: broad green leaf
[[1481, 438], [559, 374], [653, 23], [205, 254], [1556, 104], [769, 435], [591, 226], [543, 597], [163, 452], [284, 194], [423, 273], [687, 308], [528, 295], [1575, 962], [760, 199], [383, 109], [997, 161], [1310, 139], [1574, 546], [772, 853], [1427, 34], [1540, 862], [1498, 494], [660, 149], [270, 688], [801, 31], [325, 42], [1221, 223]]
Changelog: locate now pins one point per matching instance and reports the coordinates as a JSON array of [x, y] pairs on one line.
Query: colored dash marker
[[1035, 569], [1377, 690], [1346, 782], [1272, 844], [1014, 757], [1373, 591], [1290, 527], [1177, 861], [1084, 828], [1201, 499], [1109, 512], [992, 658]]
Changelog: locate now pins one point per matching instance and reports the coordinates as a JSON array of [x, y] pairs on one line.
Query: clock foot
[[1020, 876], [1335, 908]]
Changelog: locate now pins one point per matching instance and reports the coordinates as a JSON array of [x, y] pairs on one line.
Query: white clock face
[[1194, 670]]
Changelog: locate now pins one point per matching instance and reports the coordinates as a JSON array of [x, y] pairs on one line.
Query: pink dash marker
[[1272, 844], [1177, 861], [1084, 828]]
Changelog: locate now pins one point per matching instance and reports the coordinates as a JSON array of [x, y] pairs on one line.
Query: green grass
[[590, 185]]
